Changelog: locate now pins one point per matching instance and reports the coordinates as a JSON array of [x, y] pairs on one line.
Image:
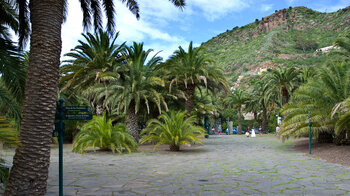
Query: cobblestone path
[[225, 165]]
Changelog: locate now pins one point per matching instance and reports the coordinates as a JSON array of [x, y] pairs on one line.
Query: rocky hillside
[[287, 37]]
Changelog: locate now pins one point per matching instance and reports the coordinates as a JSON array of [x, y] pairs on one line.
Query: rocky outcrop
[[274, 20]]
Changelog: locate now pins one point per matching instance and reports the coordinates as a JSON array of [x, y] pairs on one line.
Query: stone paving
[[225, 165]]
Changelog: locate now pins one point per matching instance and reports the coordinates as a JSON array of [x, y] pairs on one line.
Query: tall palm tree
[[92, 62], [193, 70], [284, 79], [238, 98], [136, 87], [264, 96], [29, 173]]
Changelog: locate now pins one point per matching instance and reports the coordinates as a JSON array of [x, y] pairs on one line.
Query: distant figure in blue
[[213, 131], [226, 131]]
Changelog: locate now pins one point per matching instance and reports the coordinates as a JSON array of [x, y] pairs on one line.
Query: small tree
[[172, 128], [102, 134]]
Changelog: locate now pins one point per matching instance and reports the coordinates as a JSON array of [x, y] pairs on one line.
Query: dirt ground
[[326, 151]]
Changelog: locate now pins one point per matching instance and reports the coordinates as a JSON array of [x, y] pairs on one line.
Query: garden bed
[[326, 151]]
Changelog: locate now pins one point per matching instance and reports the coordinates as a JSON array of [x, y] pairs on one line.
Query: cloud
[[166, 50], [266, 7], [130, 29], [213, 10], [335, 7]]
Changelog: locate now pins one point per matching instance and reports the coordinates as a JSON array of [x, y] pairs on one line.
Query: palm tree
[[322, 96], [100, 132], [284, 79], [172, 128], [343, 124], [93, 61], [193, 70], [29, 173], [264, 97], [238, 98], [253, 105], [344, 44], [137, 86]]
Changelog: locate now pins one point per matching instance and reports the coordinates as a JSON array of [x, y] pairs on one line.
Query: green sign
[[77, 109], [78, 117]]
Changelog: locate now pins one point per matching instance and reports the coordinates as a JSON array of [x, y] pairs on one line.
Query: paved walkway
[[225, 165]]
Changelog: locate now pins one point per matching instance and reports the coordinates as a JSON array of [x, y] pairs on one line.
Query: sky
[[163, 27]]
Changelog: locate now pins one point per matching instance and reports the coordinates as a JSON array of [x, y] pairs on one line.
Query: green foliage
[[92, 61], [8, 135], [248, 46], [344, 52], [322, 96], [343, 110], [283, 80], [4, 172], [193, 68], [138, 83], [100, 132], [304, 44], [172, 128]]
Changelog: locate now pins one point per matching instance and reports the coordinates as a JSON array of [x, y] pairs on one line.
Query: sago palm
[[100, 133], [173, 129]]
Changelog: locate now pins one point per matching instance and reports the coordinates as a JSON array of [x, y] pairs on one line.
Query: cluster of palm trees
[[321, 94], [41, 21], [126, 80], [264, 94], [324, 99]]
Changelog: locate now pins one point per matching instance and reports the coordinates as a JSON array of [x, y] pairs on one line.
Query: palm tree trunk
[[99, 107], [284, 96], [239, 120], [132, 122], [341, 138], [174, 148], [255, 117], [264, 117], [190, 98], [29, 172]]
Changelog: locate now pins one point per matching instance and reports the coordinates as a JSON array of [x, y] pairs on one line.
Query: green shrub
[[172, 128], [4, 172], [102, 134], [8, 135]]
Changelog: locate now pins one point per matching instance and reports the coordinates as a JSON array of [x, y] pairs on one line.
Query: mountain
[[287, 37]]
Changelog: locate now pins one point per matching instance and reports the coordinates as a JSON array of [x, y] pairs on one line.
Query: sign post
[[60, 110], [310, 124], [59, 130]]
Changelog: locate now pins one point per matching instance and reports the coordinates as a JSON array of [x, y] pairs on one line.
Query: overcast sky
[[164, 27]]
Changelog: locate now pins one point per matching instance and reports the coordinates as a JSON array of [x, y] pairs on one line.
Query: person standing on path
[[277, 130]]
